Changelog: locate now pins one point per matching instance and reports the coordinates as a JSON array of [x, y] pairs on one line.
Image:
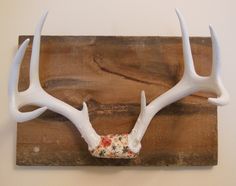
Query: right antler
[[35, 95], [190, 83]]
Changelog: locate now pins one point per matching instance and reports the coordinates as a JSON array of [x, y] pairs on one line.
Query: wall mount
[[117, 145]]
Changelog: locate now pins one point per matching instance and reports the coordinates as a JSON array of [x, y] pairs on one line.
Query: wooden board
[[109, 73]]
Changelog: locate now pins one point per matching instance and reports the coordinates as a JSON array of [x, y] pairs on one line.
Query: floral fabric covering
[[113, 146]]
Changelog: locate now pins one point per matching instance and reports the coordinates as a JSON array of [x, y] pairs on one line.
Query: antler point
[[143, 100], [177, 10]]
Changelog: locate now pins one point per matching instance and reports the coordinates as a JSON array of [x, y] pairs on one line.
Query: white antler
[[35, 95], [191, 82]]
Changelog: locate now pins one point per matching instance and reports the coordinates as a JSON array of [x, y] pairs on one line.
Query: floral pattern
[[114, 146]]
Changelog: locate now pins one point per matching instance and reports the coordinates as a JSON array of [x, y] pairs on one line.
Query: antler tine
[[189, 69], [13, 87], [14, 74], [222, 93], [143, 101], [215, 53], [34, 62]]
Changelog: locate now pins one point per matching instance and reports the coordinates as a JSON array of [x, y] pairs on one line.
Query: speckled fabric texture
[[114, 146]]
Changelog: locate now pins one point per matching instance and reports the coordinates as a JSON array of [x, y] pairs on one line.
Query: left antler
[[35, 95], [190, 83]]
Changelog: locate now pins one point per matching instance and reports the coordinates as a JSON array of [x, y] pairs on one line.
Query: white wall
[[120, 17]]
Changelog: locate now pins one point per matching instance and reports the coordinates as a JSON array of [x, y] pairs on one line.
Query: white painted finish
[[190, 83], [35, 95]]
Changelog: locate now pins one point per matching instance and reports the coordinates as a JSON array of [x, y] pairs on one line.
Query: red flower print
[[106, 141], [113, 146]]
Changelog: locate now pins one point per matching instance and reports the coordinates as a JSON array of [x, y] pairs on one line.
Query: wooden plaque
[[109, 74]]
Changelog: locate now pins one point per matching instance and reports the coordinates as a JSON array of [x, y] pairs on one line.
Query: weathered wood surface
[[109, 73]]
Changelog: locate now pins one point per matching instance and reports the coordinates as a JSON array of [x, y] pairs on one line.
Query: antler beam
[[35, 95], [190, 83]]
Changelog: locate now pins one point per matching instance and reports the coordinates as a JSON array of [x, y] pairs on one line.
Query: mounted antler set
[[126, 145]]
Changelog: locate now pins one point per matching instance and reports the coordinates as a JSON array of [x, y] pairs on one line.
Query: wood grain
[[109, 73]]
